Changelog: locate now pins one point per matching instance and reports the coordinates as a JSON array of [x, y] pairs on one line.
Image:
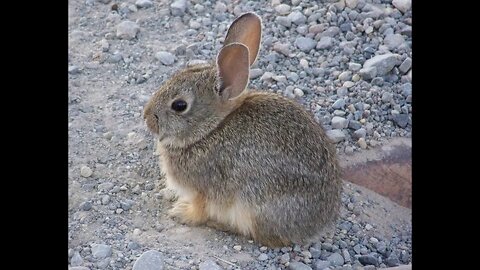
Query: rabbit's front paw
[[191, 213]]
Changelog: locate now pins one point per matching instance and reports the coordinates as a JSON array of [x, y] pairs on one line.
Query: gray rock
[[335, 135], [285, 258], [339, 104], [150, 260], [209, 265], [316, 28], [354, 124], [78, 268], [284, 21], [342, 91], [73, 70], [178, 7], [335, 259], [85, 171], [220, 7], [305, 44], [401, 120], [387, 97], [322, 265], [332, 31], [282, 48], [345, 27], [165, 58], [315, 252], [393, 41], [339, 122], [86, 206], [392, 260], [402, 5], [127, 30], [377, 81], [360, 133], [262, 257], [368, 260], [354, 66], [143, 3], [346, 255], [406, 65], [325, 42], [345, 76], [362, 143], [351, 3], [282, 9], [382, 63], [101, 251], [368, 73], [76, 259], [406, 89], [298, 266], [297, 18], [133, 245], [115, 57], [255, 73]]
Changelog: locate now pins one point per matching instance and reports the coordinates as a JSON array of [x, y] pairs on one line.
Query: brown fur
[[257, 164]]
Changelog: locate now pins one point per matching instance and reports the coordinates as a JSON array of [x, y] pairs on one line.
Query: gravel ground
[[349, 62]]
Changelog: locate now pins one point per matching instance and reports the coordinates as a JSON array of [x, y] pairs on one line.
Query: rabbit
[[251, 162]]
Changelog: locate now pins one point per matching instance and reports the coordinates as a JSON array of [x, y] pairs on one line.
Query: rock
[[316, 28], [285, 258], [355, 125], [143, 3], [297, 18], [406, 89], [346, 255], [237, 247], [86, 206], [76, 259], [322, 265], [298, 266], [392, 260], [165, 58], [360, 133], [305, 44], [78, 268], [335, 259], [282, 48], [209, 265], [342, 91], [220, 7], [282, 9], [339, 104], [335, 135], [362, 143], [316, 252], [101, 251], [382, 63], [368, 73], [339, 122], [150, 260], [255, 73], [178, 7], [73, 70], [406, 65], [127, 30], [332, 31], [298, 92], [345, 76], [368, 227], [368, 260], [401, 120], [85, 171], [303, 63], [387, 97], [262, 257], [284, 20], [351, 3], [325, 43], [354, 66], [393, 41], [402, 5]]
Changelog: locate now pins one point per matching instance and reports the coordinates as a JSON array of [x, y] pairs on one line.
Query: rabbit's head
[[195, 100]]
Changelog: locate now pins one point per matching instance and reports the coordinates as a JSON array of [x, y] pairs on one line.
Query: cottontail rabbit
[[252, 162]]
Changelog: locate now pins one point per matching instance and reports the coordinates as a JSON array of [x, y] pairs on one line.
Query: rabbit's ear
[[247, 30], [233, 70]]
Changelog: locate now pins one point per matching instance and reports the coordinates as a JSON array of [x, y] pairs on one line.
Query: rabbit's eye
[[179, 105]]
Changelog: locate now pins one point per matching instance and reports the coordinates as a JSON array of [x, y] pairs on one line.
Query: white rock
[[282, 9], [402, 5], [127, 30], [85, 171]]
